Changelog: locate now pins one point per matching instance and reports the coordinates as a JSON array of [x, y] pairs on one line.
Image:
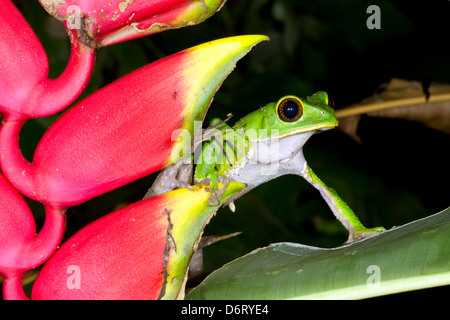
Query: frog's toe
[[213, 200], [216, 196]]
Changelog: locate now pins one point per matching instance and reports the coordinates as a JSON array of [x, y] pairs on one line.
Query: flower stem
[[15, 167], [53, 95], [34, 252], [13, 288], [47, 240]]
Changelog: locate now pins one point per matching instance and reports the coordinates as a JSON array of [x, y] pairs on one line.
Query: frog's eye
[[290, 109]]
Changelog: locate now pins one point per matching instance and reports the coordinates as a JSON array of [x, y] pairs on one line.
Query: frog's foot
[[363, 233], [175, 176], [216, 195]]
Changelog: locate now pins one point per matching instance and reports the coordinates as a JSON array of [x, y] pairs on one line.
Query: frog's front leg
[[340, 209], [216, 193], [207, 169], [177, 175]]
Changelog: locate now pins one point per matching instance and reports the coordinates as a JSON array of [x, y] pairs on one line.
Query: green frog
[[262, 146]]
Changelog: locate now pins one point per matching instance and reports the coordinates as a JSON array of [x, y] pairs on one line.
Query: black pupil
[[290, 109]]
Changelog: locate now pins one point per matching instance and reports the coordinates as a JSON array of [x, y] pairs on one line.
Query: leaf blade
[[410, 257]]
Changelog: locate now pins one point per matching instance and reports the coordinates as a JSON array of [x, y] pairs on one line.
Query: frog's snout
[[325, 128]]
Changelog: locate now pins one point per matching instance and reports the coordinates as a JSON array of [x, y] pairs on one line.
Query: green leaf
[[413, 256]]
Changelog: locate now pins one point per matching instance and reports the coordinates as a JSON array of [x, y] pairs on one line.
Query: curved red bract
[[119, 134], [120, 256], [122, 132], [105, 22], [141, 251]]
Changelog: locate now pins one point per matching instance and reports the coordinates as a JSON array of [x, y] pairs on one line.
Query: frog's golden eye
[[290, 109]]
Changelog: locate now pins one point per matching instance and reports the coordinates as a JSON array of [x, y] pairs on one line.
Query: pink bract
[[141, 251], [122, 132], [105, 22]]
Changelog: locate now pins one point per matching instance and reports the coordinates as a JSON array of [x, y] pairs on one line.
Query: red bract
[[117, 135], [25, 90], [139, 252], [124, 131], [104, 22]]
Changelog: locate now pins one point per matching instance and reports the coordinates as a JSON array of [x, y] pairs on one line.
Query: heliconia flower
[[104, 22], [141, 251], [20, 248], [25, 89], [122, 132]]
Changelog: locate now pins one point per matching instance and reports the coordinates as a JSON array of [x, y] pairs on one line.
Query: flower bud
[[141, 251], [105, 22], [124, 131]]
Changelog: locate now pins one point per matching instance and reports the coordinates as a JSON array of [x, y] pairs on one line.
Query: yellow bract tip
[[208, 65], [188, 213]]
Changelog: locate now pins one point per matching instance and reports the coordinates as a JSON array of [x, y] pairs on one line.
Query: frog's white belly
[[269, 159]]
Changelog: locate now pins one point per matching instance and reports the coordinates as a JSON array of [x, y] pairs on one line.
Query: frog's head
[[275, 135], [292, 115]]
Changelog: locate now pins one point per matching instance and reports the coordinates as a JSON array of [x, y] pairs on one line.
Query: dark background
[[398, 173]]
